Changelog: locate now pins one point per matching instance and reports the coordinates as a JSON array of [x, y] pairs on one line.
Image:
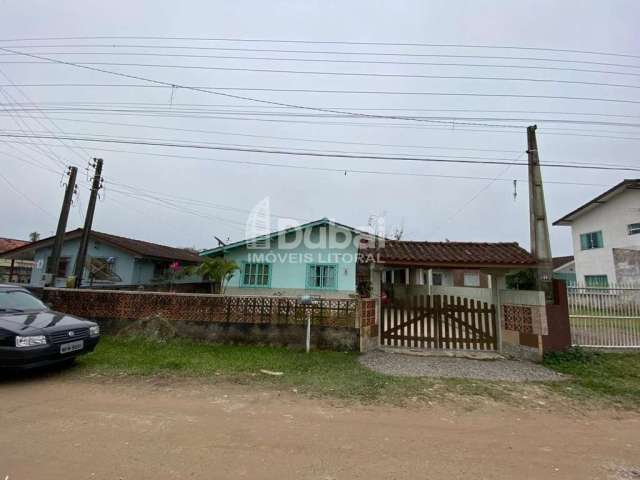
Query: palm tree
[[218, 271], [34, 237]]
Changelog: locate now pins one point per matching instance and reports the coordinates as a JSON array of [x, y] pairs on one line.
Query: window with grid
[[322, 276], [591, 240], [633, 228], [596, 280], [471, 279], [256, 275], [63, 265]]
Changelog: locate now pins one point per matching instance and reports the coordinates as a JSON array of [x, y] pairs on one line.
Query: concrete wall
[[322, 337], [627, 264], [336, 323], [612, 218], [289, 266], [522, 338]]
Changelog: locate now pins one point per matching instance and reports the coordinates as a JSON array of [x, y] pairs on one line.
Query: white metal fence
[[606, 317]]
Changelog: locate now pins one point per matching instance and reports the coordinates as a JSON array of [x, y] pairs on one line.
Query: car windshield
[[17, 300]]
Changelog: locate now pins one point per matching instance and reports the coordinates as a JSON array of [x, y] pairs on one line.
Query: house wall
[[612, 218], [124, 264], [131, 269], [289, 267]]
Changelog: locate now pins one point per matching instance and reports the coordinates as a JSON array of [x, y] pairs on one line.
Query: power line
[[206, 107], [341, 61], [328, 169], [471, 200], [293, 150], [297, 139], [237, 97], [214, 90], [24, 126], [325, 73], [451, 126], [350, 152], [313, 154], [25, 196], [405, 54], [323, 42], [202, 113], [45, 116]]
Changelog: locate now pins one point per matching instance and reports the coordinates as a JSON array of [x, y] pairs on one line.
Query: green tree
[[522, 280], [34, 237], [217, 270]]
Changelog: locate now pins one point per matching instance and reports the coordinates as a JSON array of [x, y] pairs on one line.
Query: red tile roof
[[11, 243], [148, 249], [137, 247], [462, 254]]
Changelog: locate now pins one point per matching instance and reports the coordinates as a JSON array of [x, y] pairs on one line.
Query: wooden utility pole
[[88, 222], [54, 259], [540, 244]]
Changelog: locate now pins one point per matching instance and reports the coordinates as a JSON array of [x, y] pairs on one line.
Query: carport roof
[[453, 254]]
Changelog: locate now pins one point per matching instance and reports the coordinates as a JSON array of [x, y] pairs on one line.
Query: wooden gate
[[439, 321]]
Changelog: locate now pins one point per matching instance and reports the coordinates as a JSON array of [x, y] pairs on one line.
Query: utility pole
[[540, 244], [88, 222], [54, 259]]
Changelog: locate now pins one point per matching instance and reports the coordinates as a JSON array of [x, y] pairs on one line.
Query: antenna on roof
[[220, 242]]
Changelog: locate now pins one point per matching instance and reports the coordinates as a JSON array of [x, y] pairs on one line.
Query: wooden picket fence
[[605, 317], [439, 322]]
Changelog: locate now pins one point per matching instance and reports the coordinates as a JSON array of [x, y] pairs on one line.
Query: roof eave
[[323, 221], [462, 265]]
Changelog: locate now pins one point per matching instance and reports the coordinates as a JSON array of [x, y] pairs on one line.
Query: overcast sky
[[221, 193]]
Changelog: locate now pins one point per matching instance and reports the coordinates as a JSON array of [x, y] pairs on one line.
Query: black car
[[32, 335]]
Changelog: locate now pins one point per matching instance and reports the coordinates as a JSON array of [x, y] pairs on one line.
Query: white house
[[606, 236]]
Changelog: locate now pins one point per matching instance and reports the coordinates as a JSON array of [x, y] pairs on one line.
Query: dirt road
[[64, 428]]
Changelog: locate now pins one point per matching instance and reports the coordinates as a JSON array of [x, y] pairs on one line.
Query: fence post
[[496, 285]]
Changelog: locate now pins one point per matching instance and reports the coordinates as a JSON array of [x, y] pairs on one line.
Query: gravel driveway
[[452, 367]]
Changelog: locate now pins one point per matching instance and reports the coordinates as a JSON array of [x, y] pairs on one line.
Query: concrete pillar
[[498, 283]]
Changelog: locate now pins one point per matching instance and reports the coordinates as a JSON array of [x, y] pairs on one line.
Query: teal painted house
[[318, 258], [111, 260]]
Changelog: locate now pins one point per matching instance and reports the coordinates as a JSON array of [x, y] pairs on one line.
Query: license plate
[[72, 346]]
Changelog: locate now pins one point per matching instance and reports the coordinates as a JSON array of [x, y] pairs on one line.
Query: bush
[[571, 355]]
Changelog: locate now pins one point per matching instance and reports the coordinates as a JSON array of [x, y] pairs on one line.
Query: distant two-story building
[[606, 236], [111, 260]]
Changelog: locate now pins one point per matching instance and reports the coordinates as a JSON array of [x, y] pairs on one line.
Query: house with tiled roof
[[328, 258], [15, 271], [111, 260]]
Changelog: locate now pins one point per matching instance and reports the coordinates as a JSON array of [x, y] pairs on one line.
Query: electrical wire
[[296, 139], [214, 90], [323, 73], [25, 196], [351, 61], [322, 42], [341, 171], [201, 113], [314, 154]]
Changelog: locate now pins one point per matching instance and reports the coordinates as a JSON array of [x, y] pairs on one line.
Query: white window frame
[[475, 283], [633, 228]]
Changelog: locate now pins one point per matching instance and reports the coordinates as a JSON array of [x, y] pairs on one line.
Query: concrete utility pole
[[540, 244], [88, 222], [54, 260]]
